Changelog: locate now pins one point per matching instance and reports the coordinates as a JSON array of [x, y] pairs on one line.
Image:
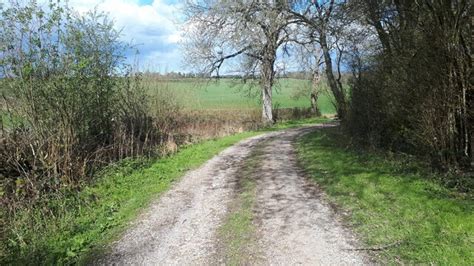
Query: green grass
[[392, 201], [80, 224], [230, 94], [8, 120], [297, 123]]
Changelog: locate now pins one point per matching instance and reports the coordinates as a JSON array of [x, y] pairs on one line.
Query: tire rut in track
[[296, 225]]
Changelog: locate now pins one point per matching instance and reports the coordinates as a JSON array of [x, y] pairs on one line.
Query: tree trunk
[[267, 109], [314, 104], [315, 93], [341, 104], [267, 73]]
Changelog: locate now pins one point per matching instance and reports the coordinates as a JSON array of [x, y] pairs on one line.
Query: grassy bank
[[74, 226], [393, 203]]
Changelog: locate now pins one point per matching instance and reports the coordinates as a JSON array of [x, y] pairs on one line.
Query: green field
[[233, 94]]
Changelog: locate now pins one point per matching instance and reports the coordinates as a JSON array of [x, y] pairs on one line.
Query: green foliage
[[71, 103], [392, 200]]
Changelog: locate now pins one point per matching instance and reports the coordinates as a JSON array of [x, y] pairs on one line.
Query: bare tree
[[309, 58], [243, 31], [325, 20]]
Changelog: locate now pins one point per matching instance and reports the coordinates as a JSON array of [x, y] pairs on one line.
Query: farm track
[[294, 223]]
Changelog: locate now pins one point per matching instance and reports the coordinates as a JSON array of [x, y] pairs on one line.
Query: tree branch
[[216, 65]]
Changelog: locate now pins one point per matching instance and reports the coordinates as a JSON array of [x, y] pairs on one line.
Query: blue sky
[[152, 25]]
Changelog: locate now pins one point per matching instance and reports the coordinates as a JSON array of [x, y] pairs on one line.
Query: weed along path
[[248, 205]]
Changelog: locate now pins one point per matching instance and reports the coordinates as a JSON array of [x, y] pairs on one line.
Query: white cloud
[[153, 28]]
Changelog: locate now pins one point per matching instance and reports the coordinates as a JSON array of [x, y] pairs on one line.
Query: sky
[[152, 25]]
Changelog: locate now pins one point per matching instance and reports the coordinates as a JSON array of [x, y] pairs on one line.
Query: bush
[[75, 102], [412, 94]]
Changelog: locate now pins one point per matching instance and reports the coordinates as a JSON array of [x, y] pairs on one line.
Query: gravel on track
[[295, 224]]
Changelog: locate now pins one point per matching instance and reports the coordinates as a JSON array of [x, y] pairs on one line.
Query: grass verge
[[392, 201], [72, 227]]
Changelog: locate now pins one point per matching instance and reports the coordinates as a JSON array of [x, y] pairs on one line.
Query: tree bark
[[315, 93], [314, 104], [267, 84], [268, 74]]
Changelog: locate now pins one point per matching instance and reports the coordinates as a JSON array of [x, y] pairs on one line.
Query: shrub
[[75, 101], [412, 93]]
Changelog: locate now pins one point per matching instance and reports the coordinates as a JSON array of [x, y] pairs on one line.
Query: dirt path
[[295, 225]]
